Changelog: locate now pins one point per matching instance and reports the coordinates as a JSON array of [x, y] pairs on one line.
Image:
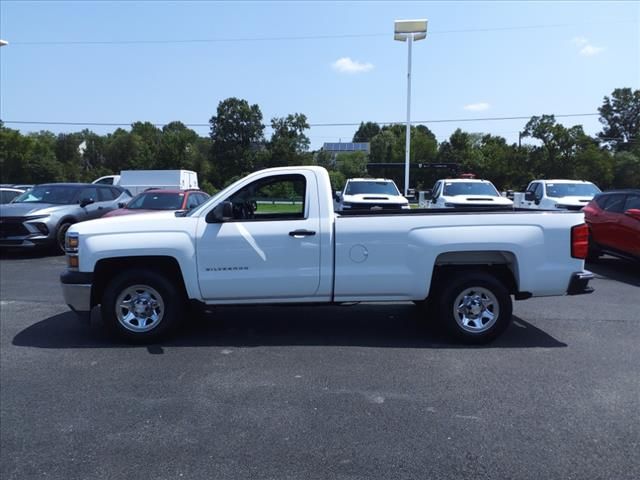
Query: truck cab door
[[269, 248]]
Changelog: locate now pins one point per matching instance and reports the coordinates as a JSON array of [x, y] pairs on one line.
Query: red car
[[614, 224], [159, 199]]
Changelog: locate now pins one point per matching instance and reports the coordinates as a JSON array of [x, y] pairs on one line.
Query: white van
[[137, 181]]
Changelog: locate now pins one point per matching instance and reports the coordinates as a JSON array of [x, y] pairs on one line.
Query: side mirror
[[529, 196], [428, 195], [86, 201], [337, 196], [220, 213], [122, 204], [633, 213]]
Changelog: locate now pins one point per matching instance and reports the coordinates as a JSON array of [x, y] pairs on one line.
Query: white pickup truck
[[556, 195], [237, 248], [370, 194]]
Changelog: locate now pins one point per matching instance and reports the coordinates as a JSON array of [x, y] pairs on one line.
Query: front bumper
[[76, 289], [579, 283]]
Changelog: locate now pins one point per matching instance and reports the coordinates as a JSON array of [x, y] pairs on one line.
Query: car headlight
[[71, 242], [71, 246], [346, 205]]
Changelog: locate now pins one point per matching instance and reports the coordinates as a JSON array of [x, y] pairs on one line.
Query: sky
[[336, 62]]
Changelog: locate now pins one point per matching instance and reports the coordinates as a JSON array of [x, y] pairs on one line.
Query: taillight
[[579, 241]]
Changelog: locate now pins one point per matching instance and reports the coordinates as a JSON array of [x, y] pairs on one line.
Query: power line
[[303, 37], [346, 124]]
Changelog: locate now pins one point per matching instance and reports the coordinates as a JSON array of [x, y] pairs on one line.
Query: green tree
[[178, 147], [352, 164], [626, 170], [14, 150], [236, 135], [289, 143], [620, 116], [366, 131]]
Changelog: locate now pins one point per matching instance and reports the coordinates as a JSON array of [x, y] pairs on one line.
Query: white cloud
[[346, 65], [477, 107], [585, 48], [590, 50]]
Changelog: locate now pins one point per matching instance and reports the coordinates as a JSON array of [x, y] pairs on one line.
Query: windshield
[[57, 194], [384, 188], [157, 201], [571, 190], [452, 189]]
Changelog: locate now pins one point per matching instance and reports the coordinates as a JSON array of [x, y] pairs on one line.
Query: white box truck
[[137, 181]]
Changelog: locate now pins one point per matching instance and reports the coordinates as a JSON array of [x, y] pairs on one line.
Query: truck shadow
[[626, 271], [383, 326]]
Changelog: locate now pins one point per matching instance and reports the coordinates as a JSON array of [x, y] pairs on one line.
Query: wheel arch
[[501, 264], [107, 268]]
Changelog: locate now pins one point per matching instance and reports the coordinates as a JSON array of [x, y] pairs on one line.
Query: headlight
[[71, 244], [346, 205], [447, 204], [72, 241]]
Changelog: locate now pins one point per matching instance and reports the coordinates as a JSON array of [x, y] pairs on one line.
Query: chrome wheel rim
[[139, 308], [476, 309]]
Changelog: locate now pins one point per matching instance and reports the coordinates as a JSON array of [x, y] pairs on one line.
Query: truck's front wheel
[[141, 305], [475, 307]]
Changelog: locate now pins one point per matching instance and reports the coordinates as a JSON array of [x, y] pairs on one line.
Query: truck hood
[[374, 198], [573, 201], [478, 200], [164, 221], [29, 209]]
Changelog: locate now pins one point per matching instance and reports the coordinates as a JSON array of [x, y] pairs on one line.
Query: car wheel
[[60, 236], [141, 305], [475, 307]]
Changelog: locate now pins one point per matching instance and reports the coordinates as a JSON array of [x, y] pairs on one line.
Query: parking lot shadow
[[626, 271], [16, 254], [368, 325]]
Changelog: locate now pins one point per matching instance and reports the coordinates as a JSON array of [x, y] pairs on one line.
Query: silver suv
[[41, 216]]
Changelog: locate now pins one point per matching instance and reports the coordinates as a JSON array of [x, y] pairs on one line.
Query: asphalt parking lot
[[361, 392]]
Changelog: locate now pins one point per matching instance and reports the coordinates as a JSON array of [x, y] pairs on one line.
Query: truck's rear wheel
[[475, 307], [141, 305]]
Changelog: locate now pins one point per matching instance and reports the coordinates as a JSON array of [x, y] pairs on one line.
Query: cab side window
[[280, 197], [633, 201]]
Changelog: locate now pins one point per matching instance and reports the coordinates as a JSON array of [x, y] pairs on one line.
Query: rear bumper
[[579, 283], [76, 290]]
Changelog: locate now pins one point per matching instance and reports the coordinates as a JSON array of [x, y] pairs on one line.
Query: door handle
[[301, 233]]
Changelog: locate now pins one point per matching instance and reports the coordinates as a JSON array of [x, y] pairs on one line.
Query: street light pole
[[407, 148], [409, 31]]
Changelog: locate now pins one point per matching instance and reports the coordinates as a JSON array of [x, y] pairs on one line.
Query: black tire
[[61, 231], [484, 292], [165, 305]]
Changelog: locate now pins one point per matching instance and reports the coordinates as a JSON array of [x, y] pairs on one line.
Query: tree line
[[237, 145]]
